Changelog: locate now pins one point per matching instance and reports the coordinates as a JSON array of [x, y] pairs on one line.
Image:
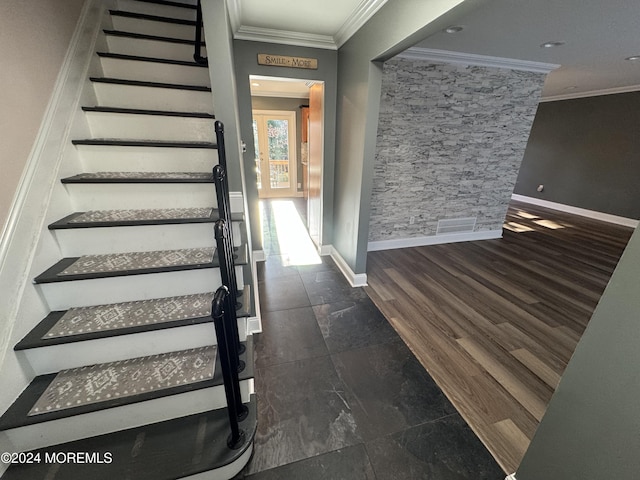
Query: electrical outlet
[[299, 185], [412, 220]]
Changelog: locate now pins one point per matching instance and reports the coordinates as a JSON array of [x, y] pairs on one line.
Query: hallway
[[340, 395]]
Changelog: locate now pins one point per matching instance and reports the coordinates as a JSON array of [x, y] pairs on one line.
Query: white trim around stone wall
[[446, 56], [432, 240], [604, 217]]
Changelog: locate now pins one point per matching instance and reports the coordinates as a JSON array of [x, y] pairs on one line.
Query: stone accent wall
[[450, 142]]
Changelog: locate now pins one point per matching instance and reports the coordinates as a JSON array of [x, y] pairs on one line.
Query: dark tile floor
[[340, 396]]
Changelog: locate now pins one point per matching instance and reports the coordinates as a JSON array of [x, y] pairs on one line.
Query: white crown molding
[[378, 245], [591, 93], [446, 56], [583, 212], [360, 15], [511, 477], [235, 14], [285, 37]]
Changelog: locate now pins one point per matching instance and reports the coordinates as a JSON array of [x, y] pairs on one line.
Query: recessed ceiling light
[[551, 44], [454, 29], [255, 84], [633, 58]]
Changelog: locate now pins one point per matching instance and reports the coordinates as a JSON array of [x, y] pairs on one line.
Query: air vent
[[456, 225]]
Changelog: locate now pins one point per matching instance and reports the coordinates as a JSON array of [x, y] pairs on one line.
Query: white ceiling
[[598, 35]]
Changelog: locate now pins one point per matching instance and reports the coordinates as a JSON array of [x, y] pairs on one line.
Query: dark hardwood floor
[[495, 322]]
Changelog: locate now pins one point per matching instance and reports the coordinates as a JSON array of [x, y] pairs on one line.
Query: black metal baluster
[[221, 312], [228, 275], [197, 57]]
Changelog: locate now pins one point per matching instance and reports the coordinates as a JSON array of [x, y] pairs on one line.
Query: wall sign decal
[[284, 61]]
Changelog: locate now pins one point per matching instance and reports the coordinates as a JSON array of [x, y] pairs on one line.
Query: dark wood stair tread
[[119, 142], [144, 36], [122, 56], [141, 83], [139, 111], [136, 263], [153, 18], [167, 453], [37, 337], [17, 415]]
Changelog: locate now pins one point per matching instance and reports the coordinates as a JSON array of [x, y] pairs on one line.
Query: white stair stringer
[[128, 288], [153, 98], [132, 126], [81, 426], [151, 48], [152, 27], [121, 158], [149, 71], [112, 196], [157, 9], [54, 358], [75, 242]]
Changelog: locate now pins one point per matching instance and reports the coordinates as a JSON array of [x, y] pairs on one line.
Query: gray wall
[[246, 63], [591, 430], [287, 104], [395, 27], [450, 142], [585, 152]]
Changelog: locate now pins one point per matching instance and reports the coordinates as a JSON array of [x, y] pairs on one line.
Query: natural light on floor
[[295, 245]]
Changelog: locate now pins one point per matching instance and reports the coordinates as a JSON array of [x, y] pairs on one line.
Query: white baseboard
[[236, 201], [254, 324], [604, 217], [432, 240], [325, 250], [511, 477], [354, 279]]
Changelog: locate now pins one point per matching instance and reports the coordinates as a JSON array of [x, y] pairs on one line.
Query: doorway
[[274, 137], [288, 135]]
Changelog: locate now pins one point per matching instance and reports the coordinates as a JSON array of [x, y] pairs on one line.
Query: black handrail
[[199, 59], [223, 317], [222, 231], [222, 188]]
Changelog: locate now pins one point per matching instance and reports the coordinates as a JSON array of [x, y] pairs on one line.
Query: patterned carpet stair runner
[[96, 383]]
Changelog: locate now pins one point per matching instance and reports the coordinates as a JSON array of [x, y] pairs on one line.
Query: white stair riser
[[228, 471], [140, 238], [109, 196], [119, 418], [97, 158], [152, 48], [155, 9], [151, 27], [150, 127], [154, 72], [153, 98], [83, 293], [55, 358]]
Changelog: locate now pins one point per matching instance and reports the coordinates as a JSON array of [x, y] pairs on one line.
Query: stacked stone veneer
[[450, 142]]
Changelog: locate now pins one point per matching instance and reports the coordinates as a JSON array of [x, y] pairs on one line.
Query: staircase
[[128, 376]]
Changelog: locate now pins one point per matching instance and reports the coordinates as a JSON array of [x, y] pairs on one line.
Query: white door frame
[[292, 191]]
